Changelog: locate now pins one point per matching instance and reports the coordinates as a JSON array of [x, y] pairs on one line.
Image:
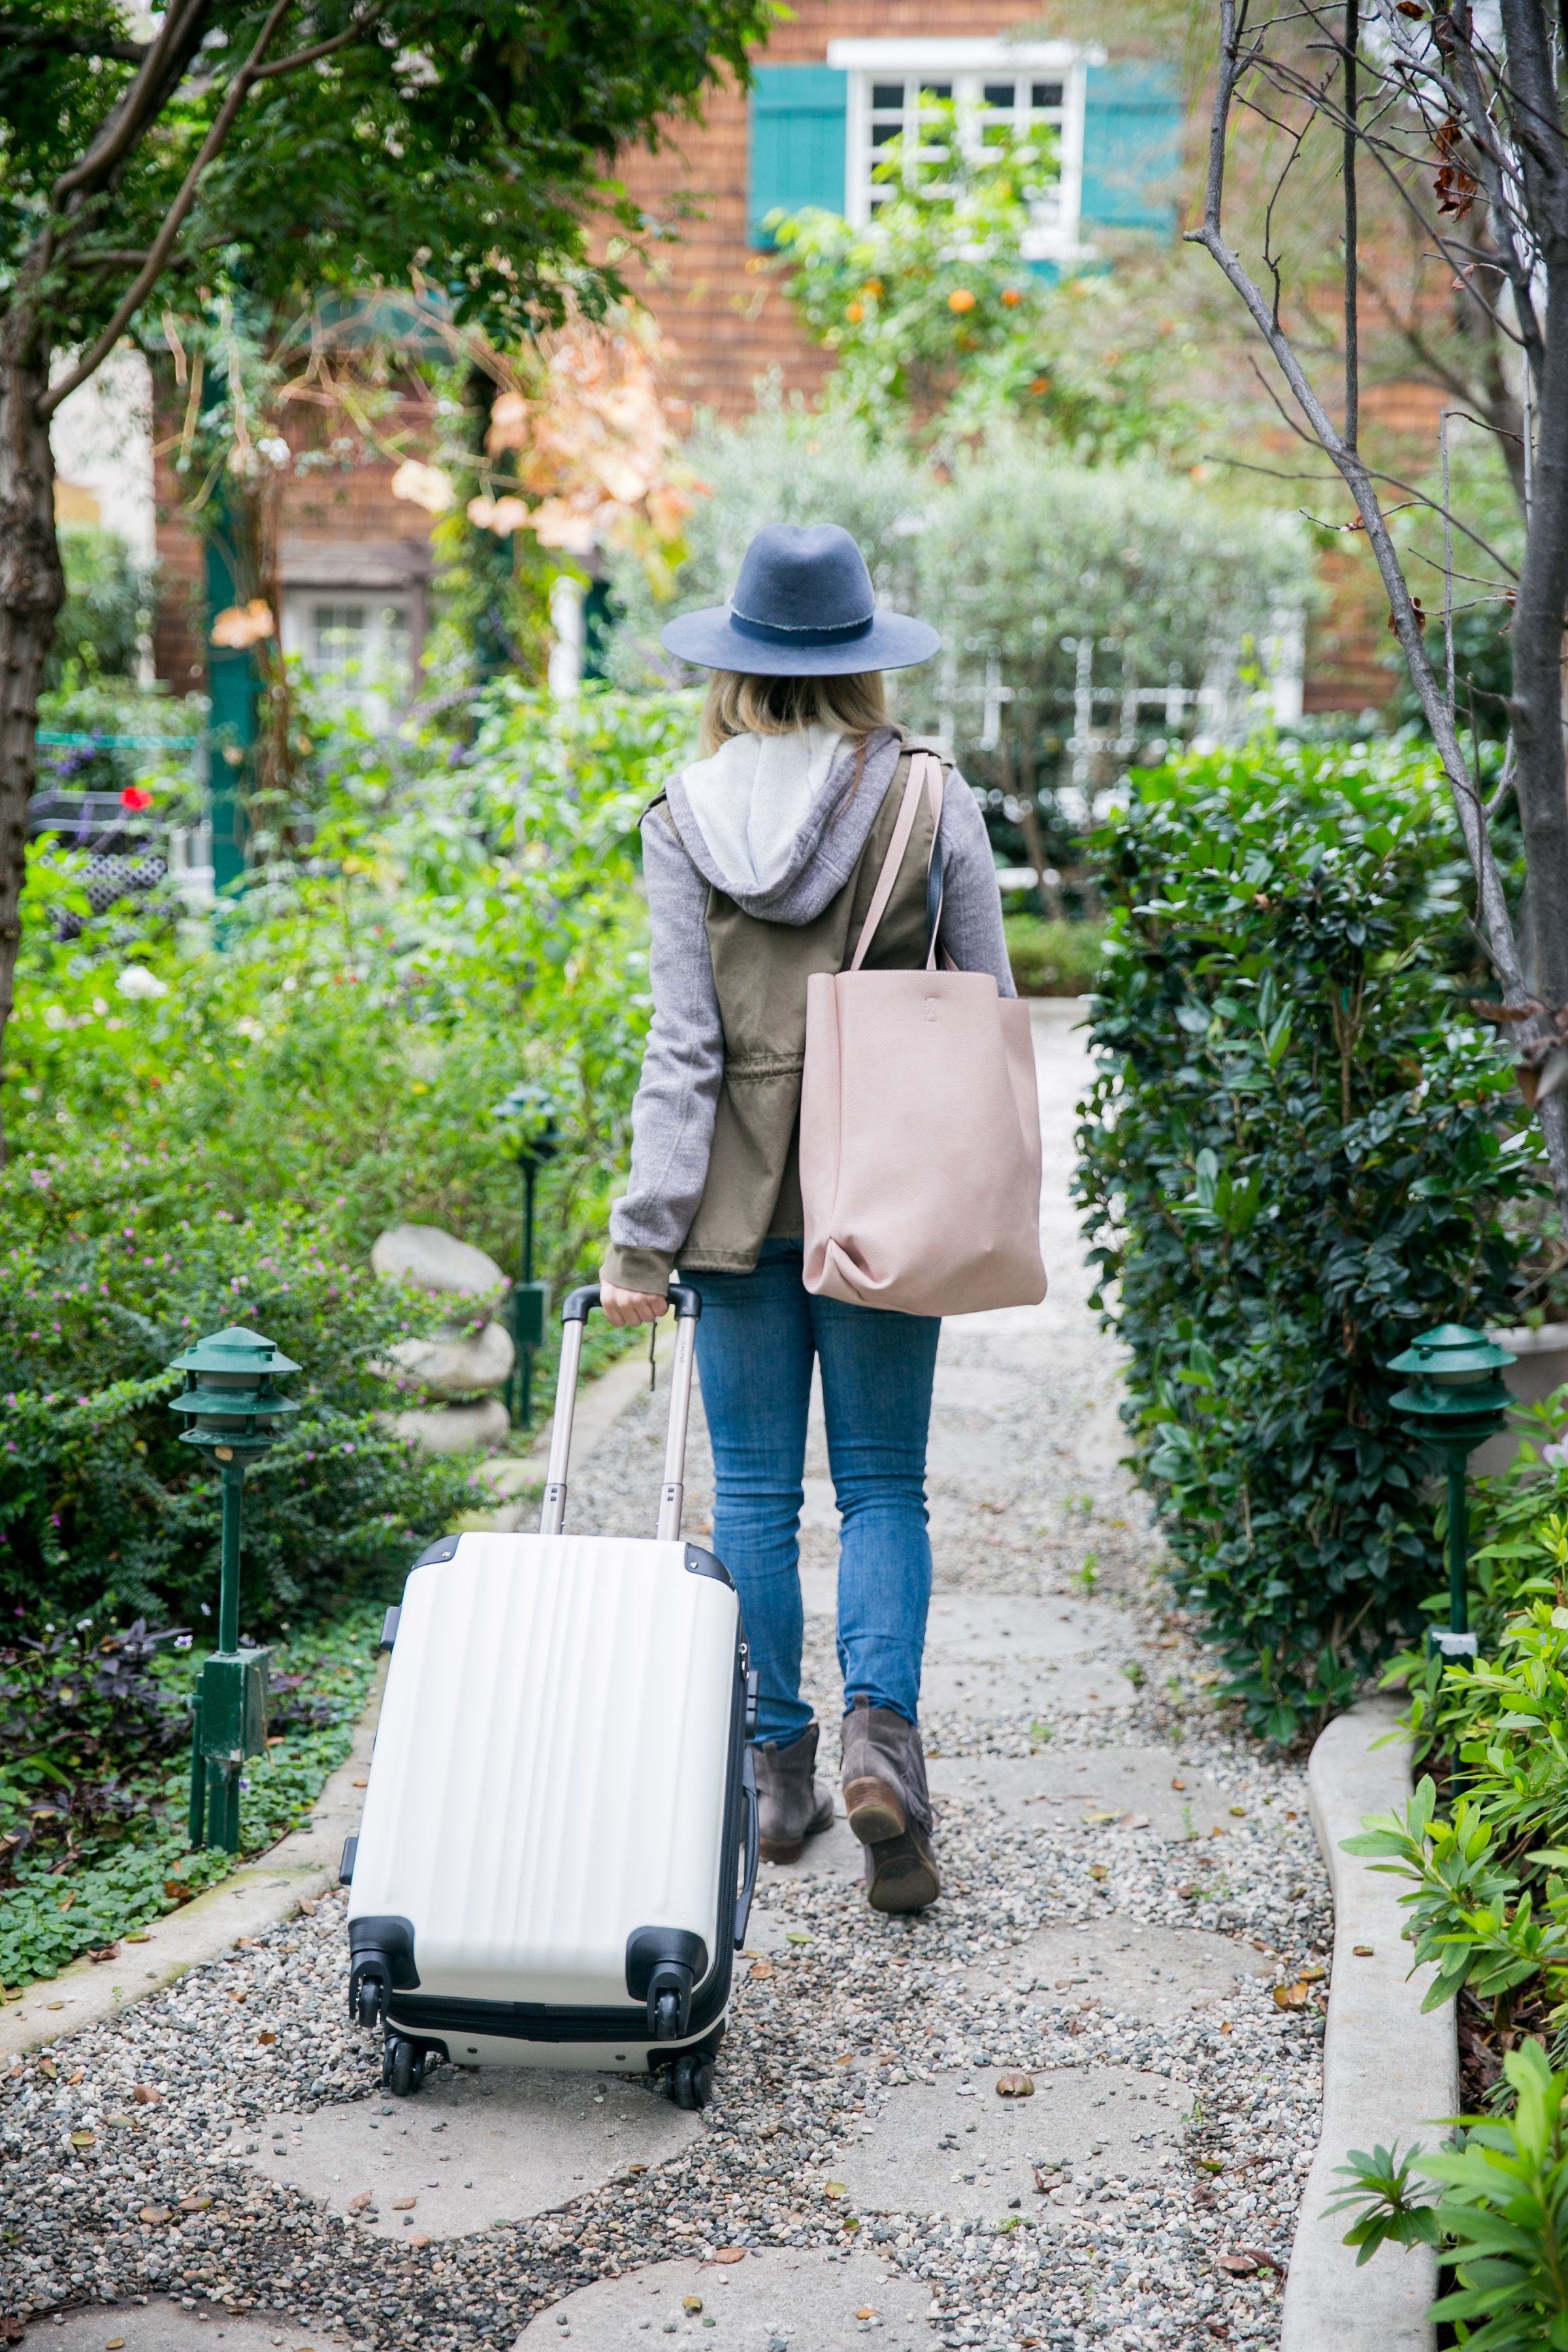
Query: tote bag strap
[[925, 776]]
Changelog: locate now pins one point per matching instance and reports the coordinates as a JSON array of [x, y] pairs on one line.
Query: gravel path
[[1128, 1886]]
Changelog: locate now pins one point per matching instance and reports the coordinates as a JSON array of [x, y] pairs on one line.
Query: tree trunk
[[32, 589], [1542, 784]]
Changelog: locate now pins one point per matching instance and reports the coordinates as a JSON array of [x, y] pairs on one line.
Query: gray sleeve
[[970, 900], [683, 1061]]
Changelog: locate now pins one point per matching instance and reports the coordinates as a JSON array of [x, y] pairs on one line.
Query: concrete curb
[[304, 1863], [1390, 2074]]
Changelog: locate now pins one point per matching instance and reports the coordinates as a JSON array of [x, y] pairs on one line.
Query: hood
[[777, 822]]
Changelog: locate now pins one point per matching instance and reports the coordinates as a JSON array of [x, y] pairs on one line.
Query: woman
[[760, 863]]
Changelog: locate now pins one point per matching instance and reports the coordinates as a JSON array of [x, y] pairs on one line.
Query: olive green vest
[[759, 972]]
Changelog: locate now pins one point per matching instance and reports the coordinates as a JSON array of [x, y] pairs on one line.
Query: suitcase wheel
[[369, 1997], [401, 2065], [689, 2078]]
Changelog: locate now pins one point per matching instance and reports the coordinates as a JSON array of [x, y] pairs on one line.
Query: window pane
[[1001, 93], [882, 132], [936, 89], [886, 94], [1045, 94]]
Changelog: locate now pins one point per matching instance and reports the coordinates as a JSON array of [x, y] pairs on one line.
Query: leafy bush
[[1487, 1900], [116, 1263], [209, 1130], [935, 321], [1292, 1159], [1052, 959], [94, 1775], [106, 612], [1500, 2226]]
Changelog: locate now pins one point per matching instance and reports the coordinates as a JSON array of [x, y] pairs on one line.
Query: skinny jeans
[[756, 1340]]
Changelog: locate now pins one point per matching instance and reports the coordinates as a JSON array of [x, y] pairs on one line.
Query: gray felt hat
[[803, 608]]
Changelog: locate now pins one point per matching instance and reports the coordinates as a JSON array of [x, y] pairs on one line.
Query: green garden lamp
[[1455, 1401], [234, 1416], [530, 1110]]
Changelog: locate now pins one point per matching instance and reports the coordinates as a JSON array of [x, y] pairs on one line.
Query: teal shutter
[[799, 126], [1132, 146]]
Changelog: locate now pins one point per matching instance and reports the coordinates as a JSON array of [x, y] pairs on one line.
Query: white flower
[[56, 1017], [137, 981]]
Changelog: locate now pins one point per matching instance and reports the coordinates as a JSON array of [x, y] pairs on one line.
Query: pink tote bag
[[919, 1126]]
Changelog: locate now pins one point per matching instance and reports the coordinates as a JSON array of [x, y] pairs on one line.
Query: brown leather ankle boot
[[791, 1804], [889, 1805]]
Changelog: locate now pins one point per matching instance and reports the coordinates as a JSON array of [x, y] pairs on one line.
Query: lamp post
[[233, 1417], [530, 1110], [1455, 1401]]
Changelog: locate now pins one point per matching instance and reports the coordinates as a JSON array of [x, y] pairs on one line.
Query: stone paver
[[1126, 1883], [470, 2151], [829, 2302]]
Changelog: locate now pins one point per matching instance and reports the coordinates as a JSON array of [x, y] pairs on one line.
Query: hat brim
[[710, 640]]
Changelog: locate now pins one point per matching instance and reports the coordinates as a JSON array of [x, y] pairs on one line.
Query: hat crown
[[809, 577]]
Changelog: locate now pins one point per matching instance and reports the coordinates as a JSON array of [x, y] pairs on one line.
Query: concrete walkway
[[1128, 1888]]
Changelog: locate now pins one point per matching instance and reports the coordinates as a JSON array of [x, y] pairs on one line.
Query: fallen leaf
[[1264, 2261], [308, 1903], [1362, 1951], [1226, 2027], [866, 2311], [1187, 1890], [115, 2344], [762, 1968], [1216, 1830], [143, 1938], [176, 1889], [267, 2037], [105, 1952], [74, 2079], [66, 1900], [1178, 1784], [1239, 1811], [358, 2203], [729, 2254], [195, 2203], [1133, 1822], [1015, 2086], [692, 2302], [155, 2214], [361, 1784], [1097, 1870], [1290, 1996], [83, 2139], [145, 2095], [1311, 1975], [1238, 2265], [635, 2169], [797, 1935], [404, 2204], [833, 2189], [47, 2067]]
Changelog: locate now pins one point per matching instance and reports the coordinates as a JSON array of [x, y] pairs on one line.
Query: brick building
[[834, 83]]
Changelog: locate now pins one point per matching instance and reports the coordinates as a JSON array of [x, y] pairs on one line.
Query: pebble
[[852, 2005]]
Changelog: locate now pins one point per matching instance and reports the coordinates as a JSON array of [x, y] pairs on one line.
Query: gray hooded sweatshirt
[[757, 823]]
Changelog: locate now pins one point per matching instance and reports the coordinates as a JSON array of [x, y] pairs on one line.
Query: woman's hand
[[625, 1308]]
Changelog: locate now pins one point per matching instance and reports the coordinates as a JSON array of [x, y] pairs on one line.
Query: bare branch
[[147, 276], [177, 41], [356, 31]]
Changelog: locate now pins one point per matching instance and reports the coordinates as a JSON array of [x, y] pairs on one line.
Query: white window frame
[[967, 64]]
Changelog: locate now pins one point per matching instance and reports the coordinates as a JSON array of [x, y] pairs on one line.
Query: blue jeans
[[755, 1342]]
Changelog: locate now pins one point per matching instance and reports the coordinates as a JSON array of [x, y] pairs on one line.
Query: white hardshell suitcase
[[561, 1791]]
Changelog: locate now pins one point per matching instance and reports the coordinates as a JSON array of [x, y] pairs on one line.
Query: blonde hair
[[741, 704]]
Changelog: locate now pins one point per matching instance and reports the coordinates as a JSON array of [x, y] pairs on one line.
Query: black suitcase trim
[[523, 2020]]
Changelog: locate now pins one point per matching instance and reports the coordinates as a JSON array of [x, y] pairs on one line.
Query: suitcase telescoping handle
[[688, 1305]]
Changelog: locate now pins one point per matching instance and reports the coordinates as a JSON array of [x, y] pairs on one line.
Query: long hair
[[741, 704]]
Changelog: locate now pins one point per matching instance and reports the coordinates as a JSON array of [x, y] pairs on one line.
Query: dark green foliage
[[117, 1261], [464, 141], [92, 1787], [108, 604], [1291, 1161]]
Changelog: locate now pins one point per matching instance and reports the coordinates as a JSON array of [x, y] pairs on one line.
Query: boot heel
[[875, 1811]]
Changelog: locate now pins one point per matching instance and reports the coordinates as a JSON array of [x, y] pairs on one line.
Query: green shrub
[[116, 1261], [94, 1775], [108, 608], [1052, 959], [1292, 1159], [1502, 2225]]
